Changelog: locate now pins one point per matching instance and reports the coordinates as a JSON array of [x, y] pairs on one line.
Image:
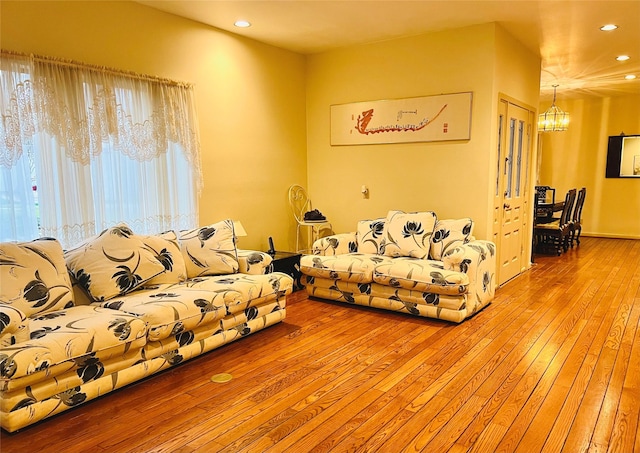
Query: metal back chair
[[300, 203]]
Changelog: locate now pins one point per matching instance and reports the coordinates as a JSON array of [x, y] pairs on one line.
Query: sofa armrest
[[336, 244], [14, 326], [253, 262], [477, 259]]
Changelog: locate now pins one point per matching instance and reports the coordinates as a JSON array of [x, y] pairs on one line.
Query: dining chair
[[576, 219], [300, 203], [541, 194], [556, 234]]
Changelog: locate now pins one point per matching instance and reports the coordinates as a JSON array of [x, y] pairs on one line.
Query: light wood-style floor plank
[[551, 365]]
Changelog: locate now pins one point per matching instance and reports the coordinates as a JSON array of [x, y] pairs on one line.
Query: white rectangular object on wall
[[440, 117]]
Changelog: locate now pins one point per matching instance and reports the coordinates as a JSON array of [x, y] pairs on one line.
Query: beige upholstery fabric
[[253, 262], [210, 250], [366, 295], [451, 288], [408, 234], [370, 236], [33, 277], [337, 244], [240, 290], [477, 259], [55, 360], [14, 325], [354, 267], [420, 275], [166, 248], [450, 233], [69, 335], [26, 406], [169, 309], [113, 263]]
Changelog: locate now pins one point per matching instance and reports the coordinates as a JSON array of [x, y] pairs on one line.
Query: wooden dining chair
[[541, 194], [556, 234], [576, 218]]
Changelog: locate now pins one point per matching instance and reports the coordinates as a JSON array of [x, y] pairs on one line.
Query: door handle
[[507, 206]]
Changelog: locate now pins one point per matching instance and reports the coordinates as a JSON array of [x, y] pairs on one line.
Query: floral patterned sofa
[[78, 324], [407, 262]]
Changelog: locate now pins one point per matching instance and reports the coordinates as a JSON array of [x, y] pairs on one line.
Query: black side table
[[289, 263]]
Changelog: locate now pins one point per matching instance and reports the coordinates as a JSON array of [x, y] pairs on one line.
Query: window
[[85, 148]]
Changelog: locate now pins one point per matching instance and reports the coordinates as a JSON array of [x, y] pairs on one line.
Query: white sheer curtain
[[18, 212], [110, 147]]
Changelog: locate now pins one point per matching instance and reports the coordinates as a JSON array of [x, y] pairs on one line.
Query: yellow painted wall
[[577, 158], [454, 179], [250, 96], [264, 112]]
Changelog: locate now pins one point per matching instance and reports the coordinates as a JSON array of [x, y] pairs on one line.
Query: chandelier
[[553, 119]]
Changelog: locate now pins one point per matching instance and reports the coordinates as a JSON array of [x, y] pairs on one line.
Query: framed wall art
[[421, 119]]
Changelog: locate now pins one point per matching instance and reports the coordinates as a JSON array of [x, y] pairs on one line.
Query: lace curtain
[[100, 146]]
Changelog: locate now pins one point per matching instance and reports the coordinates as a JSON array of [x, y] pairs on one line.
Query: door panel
[[514, 138]]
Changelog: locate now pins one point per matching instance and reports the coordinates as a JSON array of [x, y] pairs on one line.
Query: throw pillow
[[34, 277], [450, 233], [210, 250], [113, 263], [166, 248], [408, 233], [369, 234]]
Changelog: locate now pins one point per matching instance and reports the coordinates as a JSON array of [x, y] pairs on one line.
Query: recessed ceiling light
[[622, 57], [608, 27], [630, 77], [242, 23]]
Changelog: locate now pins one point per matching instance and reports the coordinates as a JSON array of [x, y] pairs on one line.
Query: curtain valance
[[83, 106]]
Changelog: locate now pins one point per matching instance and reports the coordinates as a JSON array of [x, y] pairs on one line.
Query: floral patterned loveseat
[[407, 262], [78, 324]]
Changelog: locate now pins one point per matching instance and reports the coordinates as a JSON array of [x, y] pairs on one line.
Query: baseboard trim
[[609, 236]]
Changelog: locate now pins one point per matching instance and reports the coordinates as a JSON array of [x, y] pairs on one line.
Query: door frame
[[527, 186]]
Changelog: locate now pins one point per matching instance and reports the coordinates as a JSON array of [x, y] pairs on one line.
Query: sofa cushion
[[166, 249], [353, 267], [369, 234], [113, 263], [210, 250], [241, 290], [408, 234], [66, 335], [450, 233], [34, 277], [170, 309], [426, 276]]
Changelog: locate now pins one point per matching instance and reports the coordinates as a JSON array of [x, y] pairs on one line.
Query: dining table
[[544, 211]]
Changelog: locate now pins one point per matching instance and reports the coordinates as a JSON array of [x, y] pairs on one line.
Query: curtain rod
[[97, 68]]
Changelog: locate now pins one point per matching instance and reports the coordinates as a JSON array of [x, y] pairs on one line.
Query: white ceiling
[[576, 55]]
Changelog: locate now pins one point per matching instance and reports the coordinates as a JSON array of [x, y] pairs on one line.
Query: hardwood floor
[[552, 365]]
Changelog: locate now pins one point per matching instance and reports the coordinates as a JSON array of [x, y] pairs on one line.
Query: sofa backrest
[[416, 234]]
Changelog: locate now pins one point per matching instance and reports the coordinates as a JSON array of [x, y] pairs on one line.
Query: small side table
[[289, 263]]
